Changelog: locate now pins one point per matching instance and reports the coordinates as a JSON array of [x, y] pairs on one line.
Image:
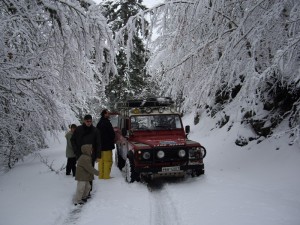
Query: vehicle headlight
[[146, 155], [160, 154], [181, 153]]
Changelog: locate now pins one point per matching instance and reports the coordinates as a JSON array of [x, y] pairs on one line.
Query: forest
[[61, 59]]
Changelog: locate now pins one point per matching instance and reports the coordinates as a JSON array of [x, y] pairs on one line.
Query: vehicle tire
[[120, 162], [197, 173], [129, 171]]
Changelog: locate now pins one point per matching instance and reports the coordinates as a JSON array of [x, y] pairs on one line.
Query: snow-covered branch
[[52, 61], [230, 56]]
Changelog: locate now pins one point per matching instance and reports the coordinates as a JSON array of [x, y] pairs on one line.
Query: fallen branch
[[50, 165]]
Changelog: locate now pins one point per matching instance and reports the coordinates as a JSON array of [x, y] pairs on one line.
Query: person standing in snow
[[84, 174], [71, 157], [87, 134], [107, 135]]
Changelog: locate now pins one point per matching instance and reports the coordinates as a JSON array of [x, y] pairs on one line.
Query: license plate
[[170, 169]]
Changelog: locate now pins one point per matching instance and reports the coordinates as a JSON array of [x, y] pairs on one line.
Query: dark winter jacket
[[86, 135], [85, 171], [107, 134]]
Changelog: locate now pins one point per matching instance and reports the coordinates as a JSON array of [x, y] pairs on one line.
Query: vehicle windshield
[[155, 122], [114, 120]]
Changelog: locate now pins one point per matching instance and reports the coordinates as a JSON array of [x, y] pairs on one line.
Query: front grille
[[171, 155]]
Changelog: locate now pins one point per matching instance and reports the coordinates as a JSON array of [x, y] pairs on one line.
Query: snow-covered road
[[256, 184], [163, 211]]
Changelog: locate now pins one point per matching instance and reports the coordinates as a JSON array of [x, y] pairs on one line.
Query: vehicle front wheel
[[197, 173], [129, 171]]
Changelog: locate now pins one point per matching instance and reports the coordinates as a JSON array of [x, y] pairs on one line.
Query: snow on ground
[[255, 184]]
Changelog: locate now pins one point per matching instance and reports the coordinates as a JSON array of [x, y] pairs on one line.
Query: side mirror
[[187, 129], [124, 132]]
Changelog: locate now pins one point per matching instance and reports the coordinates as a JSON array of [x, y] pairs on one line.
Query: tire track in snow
[[162, 208], [73, 216]]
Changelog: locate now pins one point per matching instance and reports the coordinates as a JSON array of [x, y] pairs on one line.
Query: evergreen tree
[[132, 78]]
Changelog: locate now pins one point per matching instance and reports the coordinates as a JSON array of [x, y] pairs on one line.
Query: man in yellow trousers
[[107, 134]]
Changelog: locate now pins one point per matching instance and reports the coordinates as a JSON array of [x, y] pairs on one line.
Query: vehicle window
[[114, 120], [155, 122]]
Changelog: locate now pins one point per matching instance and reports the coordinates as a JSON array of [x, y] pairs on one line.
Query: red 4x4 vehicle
[[152, 142]]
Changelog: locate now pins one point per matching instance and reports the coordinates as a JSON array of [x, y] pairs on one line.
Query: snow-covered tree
[[237, 60], [51, 53], [132, 78]]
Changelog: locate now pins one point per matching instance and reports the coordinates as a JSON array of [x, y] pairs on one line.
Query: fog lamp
[[181, 153], [160, 154]]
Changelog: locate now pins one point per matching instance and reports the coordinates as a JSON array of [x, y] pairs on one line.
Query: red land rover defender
[[151, 141]]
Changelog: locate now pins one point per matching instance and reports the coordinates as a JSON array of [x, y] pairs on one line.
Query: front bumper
[[170, 171]]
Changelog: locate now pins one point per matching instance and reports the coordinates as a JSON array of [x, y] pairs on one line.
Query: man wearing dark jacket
[[86, 134], [107, 135]]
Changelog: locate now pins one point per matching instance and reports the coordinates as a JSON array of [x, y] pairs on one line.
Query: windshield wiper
[[163, 126]]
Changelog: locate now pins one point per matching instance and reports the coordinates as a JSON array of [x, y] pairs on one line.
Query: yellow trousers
[[104, 164]]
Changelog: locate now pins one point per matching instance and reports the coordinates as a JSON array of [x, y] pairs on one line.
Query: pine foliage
[[132, 79]]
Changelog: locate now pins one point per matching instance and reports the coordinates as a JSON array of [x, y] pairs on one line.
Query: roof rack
[[150, 102]]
